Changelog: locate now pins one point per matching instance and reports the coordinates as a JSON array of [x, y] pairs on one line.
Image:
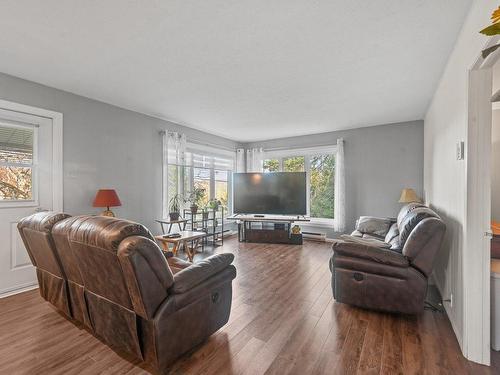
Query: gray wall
[[379, 161], [106, 147]]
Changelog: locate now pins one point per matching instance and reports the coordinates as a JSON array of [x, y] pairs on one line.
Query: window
[[17, 167], [319, 164], [322, 186], [294, 164], [201, 180], [205, 169], [221, 188], [271, 165]]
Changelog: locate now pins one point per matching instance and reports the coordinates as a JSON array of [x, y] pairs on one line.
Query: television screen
[[279, 193]]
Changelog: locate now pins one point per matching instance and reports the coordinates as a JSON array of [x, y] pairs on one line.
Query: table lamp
[[408, 196], [107, 198]]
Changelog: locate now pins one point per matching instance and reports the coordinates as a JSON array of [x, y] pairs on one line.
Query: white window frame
[[307, 153], [12, 203], [212, 152]]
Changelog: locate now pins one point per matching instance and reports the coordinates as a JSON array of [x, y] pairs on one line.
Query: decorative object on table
[[295, 229], [408, 196], [493, 29], [194, 198], [174, 207], [107, 198]]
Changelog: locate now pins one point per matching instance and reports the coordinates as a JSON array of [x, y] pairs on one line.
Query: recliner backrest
[[125, 275], [410, 221], [424, 242], [35, 231]]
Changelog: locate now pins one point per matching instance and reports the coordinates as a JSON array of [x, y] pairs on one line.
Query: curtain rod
[[203, 143], [297, 147]]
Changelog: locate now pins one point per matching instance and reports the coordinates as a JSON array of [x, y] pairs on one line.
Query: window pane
[[201, 180], [271, 165], [16, 144], [221, 187], [294, 164], [322, 186], [16, 183]]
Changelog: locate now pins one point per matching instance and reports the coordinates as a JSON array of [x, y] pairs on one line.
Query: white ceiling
[[248, 69]]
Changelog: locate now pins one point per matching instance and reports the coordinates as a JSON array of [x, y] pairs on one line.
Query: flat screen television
[[277, 193]]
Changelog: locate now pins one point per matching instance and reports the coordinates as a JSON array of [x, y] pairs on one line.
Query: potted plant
[[194, 198], [214, 204], [174, 207], [204, 213]]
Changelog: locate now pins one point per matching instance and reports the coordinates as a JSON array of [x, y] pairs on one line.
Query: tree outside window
[[271, 165], [322, 186], [294, 164]]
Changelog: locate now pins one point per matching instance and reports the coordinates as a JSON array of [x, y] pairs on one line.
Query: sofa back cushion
[[411, 220], [116, 258], [35, 231], [406, 209], [373, 225]]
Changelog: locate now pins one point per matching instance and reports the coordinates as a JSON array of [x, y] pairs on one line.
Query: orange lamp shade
[[106, 198]]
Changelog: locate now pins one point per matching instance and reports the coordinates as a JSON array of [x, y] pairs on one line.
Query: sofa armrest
[[371, 253], [190, 277]]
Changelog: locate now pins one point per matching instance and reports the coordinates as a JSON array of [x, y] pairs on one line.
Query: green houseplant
[[195, 198], [214, 204], [174, 207]]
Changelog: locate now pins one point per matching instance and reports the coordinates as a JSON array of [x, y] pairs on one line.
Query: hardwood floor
[[283, 321]]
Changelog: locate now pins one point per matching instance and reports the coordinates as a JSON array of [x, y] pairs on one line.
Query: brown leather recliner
[[388, 274], [36, 233], [122, 287]]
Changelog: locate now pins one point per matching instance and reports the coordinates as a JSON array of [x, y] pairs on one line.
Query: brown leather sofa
[[111, 276], [388, 273]]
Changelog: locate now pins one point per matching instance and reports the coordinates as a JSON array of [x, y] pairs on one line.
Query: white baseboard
[[19, 289]]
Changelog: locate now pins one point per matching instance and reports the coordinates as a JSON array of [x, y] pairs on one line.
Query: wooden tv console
[[268, 228]]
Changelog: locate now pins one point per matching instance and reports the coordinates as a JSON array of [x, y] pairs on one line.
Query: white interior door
[[28, 167]]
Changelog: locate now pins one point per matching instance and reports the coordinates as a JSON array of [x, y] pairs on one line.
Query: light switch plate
[[460, 150]]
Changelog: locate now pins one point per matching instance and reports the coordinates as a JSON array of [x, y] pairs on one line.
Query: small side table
[[181, 223], [185, 239]]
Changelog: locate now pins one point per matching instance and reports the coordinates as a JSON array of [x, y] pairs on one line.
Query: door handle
[[488, 234]]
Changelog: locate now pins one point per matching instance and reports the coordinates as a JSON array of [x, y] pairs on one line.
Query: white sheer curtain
[[255, 159], [339, 214], [240, 160], [174, 152]]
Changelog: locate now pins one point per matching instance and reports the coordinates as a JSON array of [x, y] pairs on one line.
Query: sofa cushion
[[410, 221], [405, 210], [373, 225], [366, 241]]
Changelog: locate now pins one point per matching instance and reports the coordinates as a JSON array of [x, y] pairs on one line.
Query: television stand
[[268, 229]]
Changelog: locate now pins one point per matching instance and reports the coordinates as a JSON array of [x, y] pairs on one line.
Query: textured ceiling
[[247, 70]]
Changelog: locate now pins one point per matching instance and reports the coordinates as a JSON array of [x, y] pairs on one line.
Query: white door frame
[[476, 253], [57, 145]]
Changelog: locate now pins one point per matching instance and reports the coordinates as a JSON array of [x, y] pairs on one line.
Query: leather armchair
[[389, 276], [117, 281]]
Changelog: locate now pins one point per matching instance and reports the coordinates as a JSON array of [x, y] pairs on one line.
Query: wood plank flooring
[[283, 321]]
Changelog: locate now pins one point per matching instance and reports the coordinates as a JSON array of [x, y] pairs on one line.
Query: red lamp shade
[[106, 198]]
